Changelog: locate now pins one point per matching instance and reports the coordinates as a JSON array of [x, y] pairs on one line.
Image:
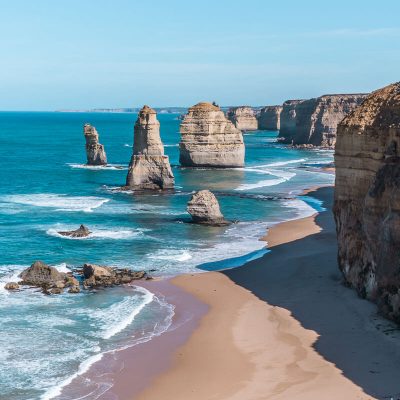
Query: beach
[[283, 326]]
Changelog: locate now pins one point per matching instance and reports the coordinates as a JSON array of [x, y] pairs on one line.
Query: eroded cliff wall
[[269, 118]]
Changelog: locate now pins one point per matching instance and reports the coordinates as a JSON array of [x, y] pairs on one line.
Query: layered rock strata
[[209, 139], [95, 152], [367, 199], [269, 118], [204, 209], [314, 122], [149, 168], [243, 118]]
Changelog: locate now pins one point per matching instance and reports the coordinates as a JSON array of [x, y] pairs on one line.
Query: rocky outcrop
[[314, 122], [243, 118], [94, 150], [204, 209], [367, 199], [209, 139], [11, 286], [42, 275], [269, 118], [288, 120], [149, 168], [82, 231], [101, 276]]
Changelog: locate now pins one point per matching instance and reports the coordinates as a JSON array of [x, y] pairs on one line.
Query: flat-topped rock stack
[[244, 118], [209, 139], [95, 152], [288, 120], [314, 122], [269, 118], [149, 168], [367, 199]]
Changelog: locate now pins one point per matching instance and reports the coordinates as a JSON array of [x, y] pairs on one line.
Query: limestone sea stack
[[367, 199], [243, 118], [288, 120], [204, 209], [209, 139], [94, 150], [149, 168], [316, 120], [269, 118]]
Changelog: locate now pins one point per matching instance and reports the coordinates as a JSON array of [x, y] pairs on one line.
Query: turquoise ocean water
[[45, 341]]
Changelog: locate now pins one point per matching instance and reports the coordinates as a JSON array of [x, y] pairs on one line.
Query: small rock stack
[[94, 150]]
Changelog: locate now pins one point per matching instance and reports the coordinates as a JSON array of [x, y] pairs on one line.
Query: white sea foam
[[172, 254], [282, 163], [62, 268], [11, 274], [282, 176], [302, 209], [60, 202], [127, 145], [112, 167], [171, 145], [97, 233]]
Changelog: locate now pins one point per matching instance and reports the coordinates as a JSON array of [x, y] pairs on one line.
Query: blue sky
[[92, 53]]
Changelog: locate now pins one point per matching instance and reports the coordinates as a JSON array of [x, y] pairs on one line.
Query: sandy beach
[[280, 327]]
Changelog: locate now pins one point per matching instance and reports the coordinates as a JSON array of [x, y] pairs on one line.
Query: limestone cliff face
[[149, 167], [316, 120], [94, 150], [367, 199], [243, 118], [209, 139], [288, 120], [269, 118]]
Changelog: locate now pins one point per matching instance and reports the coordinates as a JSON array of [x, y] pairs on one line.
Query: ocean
[[46, 341]]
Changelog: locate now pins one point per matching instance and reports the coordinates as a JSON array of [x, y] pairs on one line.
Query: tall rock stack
[[269, 118], [367, 199], [149, 168], [315, 120], [243, 118], [209, 139], [288, 120], [94, 150]]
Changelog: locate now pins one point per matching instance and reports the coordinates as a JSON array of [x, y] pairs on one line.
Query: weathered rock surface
[[288, 120], [11, 286], [94, 150], [149, 168], [42, 275], [209, 139], [269, 118], [204, 209], [314, 121], [82, 231], [101, 276], [367, 199], [243, 118]]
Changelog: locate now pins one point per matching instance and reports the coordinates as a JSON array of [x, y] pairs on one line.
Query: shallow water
[[45, 188]]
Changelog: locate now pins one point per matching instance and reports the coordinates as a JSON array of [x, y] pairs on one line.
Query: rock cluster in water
[[149, 168], [367, 199], [209, 139], [82, 231], [269, 118], [204, 209], [52, 281], [94, 150], [243, 118], [314, 122]]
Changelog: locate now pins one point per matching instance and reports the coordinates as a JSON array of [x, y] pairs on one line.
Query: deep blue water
[[46, 188]]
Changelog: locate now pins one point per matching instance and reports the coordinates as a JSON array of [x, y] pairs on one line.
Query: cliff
[[149, 167], [269, 118], [243, 118], [95, 153], [367, 199], [288, 120], [315, 121], [209, 139]]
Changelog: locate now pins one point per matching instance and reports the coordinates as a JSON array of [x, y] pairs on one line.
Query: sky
[[70, 54]]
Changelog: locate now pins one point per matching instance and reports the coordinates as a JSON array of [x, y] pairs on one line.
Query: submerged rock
[[94, 150], [367, 199], [243, 118], [11, 286], [82, 231], [42, 275], [269, 118], [204, 209], [209, 139], [149, 168]]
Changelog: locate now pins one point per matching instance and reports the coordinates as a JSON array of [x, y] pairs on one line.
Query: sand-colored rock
[[209, 139], [42, 275], [269, 118], [149, 168], [95, 152], [367, 199], [244, 118], [314, 121], [11, 286], [204, 209]]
